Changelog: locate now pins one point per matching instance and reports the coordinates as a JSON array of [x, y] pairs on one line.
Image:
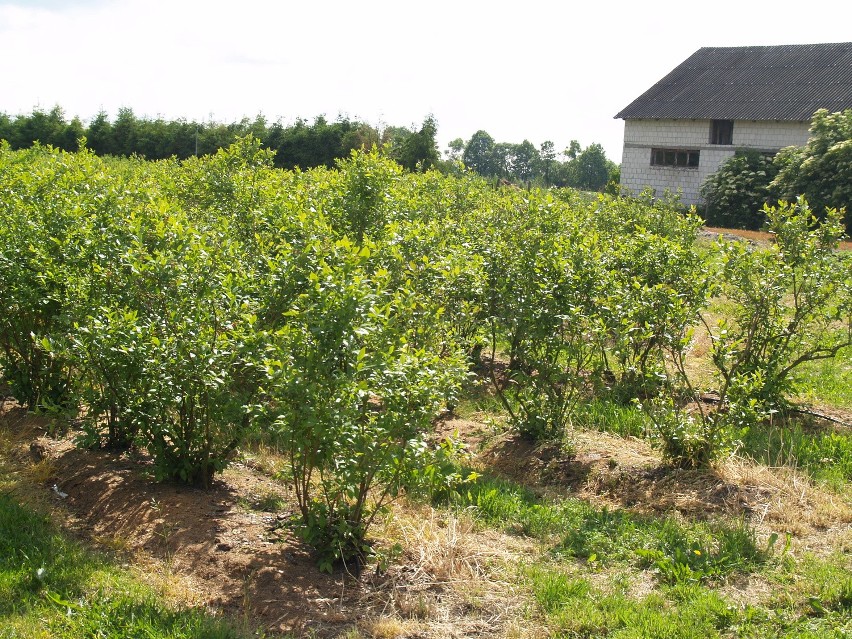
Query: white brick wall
[[769, 135], [640, 136]]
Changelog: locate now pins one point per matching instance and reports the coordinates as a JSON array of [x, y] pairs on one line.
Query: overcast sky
[[522, 70]]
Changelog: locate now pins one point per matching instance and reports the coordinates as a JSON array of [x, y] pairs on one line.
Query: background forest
[[308, 145]]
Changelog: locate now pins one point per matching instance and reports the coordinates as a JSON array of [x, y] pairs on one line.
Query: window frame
[[722, 132], [677, 158]]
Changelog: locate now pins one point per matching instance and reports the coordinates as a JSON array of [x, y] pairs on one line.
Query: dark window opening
[[675, 157], [722, 132]]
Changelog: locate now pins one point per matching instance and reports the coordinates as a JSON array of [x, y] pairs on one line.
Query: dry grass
[[786, 500], [264, 458], [388, 628], [454, 579], [177, 589], [698, 364], [22, 469], [755, 236]]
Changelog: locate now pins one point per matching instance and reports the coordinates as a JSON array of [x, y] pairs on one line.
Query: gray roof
[[787, 82]]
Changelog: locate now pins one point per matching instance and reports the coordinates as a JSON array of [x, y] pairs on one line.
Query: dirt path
[[759, 237]]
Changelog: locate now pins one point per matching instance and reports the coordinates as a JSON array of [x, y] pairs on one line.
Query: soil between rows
[[218, 550]]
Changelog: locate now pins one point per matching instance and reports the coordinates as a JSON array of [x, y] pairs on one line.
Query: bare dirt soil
[[220, 550], [236, 560], [759, 237]]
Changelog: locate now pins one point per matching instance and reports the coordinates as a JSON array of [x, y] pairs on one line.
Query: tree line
[[303, 144], [585, 169], [307, 145]]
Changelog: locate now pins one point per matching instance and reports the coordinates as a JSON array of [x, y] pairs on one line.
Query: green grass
[[824, 455], [810, 598], [820, 586], [828, 381], [479, 401], [574, 608], [266, 501], [611, 417], [676, 552], [582, 586], [50, 586]]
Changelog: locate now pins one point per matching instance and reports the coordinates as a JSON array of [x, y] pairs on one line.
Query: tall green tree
[[524, 161], [46, 128], [547, 160], [573, 150], [418, 151], [586, 169], [479, 154], [592, 169], [501, 156], [125, 132], [99, 134], [455, 149], [6, 127], [306, 145]]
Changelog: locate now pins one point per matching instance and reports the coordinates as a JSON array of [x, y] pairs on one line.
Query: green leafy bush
[[789, 304], [40, 241], [542, 282], [179, 306], [821, 171], [108, 352], [788, 300], [355, 383], [657, 282], [734, 196]]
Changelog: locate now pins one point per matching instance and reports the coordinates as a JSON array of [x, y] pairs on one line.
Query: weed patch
[[575, 609]]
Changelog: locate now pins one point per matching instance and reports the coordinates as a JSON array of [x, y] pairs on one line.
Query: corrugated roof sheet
[[787, 82]]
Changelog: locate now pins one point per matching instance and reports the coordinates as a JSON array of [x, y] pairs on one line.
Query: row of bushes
[[181, 306]]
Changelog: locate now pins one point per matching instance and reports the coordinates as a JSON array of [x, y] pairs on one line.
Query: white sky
[[531, 70]]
